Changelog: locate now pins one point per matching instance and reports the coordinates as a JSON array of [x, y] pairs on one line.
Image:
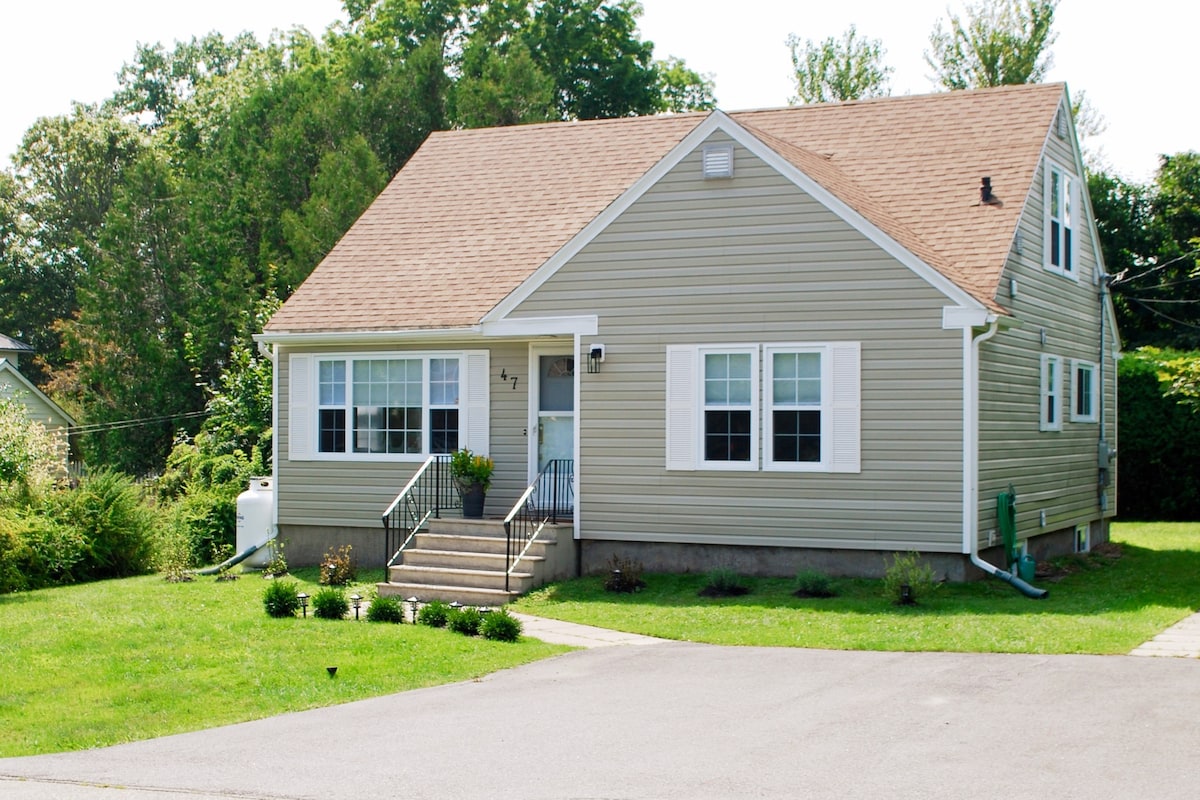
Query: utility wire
[[103, 427], [1121, 279]]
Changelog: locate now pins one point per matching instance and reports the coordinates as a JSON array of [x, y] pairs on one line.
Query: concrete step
[[459, 559], [455, 526], [449, 594], [473, 544], [449, 576]]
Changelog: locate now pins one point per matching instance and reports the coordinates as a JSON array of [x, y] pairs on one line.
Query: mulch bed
[[1099, 556]]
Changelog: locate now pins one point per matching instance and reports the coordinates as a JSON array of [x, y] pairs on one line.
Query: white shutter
[[474, 422], [845, 371], [301, 411], [682, 432]]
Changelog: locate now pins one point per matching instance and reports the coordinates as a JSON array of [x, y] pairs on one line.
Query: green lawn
[[1102, 608], [116, 661]]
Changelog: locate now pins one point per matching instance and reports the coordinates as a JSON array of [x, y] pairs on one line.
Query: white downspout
[[970, 478], [269, 353]]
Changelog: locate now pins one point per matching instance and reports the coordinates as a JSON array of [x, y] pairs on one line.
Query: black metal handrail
[[550, 496], [427, 494]]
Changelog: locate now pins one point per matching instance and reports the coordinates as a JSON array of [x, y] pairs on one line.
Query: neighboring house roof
[[12, 345], [23, 384], [474, 213]]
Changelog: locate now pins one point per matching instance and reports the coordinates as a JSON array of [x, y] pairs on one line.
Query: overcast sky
[[1137, 64]]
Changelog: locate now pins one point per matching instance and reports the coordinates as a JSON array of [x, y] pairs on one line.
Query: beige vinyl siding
[[754, 260], [1052, 471], [348, 493]]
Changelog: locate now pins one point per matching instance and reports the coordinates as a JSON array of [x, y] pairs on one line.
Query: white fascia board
[[583, 325], [715, 121], [27, 385], [606, 217], [957, 317], [366, 337], [937, 280]]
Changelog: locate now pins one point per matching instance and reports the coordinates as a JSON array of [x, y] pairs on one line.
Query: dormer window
[[1062, 214]]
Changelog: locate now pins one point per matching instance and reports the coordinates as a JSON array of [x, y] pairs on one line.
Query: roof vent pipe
[[985, 191]]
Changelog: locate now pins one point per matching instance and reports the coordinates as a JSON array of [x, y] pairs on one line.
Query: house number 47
[[504, 376]]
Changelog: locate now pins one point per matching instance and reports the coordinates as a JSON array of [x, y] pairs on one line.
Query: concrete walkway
[[1181, 640]]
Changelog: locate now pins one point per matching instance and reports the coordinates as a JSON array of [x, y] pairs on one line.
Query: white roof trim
[[584, 325], [6, 366], [715, 121], [365, 337]]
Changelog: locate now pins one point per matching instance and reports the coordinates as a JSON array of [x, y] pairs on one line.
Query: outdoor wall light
[[356, 600], [303, 598], [595, 358]]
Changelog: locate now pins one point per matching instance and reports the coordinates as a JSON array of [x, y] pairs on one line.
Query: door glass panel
[[556, 387]]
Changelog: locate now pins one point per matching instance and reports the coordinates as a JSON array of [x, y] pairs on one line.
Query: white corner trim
[[583, 325]]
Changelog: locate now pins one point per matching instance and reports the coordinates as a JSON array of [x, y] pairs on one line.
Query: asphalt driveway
[[677, 720]]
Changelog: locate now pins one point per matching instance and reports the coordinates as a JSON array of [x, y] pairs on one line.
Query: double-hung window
[[730, 407], [798, 410], [402, 406], [795, 401], [1062, 212], [1085, 387], [1051, 394]]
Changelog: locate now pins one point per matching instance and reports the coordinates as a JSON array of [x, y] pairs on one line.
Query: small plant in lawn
[[723, 582], [810, 583], [337, 568], [329, 602], [281, 599], [385, 609], [907, 579], [277, 566], [624, 575], [221, 554], [500, 626], [435, 614], [173, 556], [465, 620]]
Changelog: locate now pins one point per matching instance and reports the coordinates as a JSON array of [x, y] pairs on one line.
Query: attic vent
[[717, 161], [1060, 124]]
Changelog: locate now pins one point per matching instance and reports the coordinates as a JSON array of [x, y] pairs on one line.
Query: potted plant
[[472, 475]]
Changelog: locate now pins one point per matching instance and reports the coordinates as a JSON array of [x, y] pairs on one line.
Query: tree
[[1000, 43], [835, 70], [30, 456], [682, 89]]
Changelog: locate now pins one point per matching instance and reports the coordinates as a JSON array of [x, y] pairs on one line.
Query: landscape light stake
[[357, 601], [303, 603], [412, 604]]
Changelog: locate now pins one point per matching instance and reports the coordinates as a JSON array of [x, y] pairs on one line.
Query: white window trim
[[755, 418], [1069, 270], [769, 462], [841, 406], [1094, 382], [1051, 366], [304, 403]]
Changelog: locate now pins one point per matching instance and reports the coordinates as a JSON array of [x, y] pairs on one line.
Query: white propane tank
[[254, 521]]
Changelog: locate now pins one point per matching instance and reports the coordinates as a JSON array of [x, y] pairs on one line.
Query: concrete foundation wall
[[306, 545]]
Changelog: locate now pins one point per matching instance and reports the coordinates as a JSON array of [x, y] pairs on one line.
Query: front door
[[555, 423]]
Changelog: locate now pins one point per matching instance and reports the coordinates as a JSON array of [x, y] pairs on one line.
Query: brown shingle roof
[[474, 213]]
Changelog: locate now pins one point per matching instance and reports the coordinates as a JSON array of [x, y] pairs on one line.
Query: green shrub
[[465, 620], [723, 583], [207, 520], [435, 614], [15, 557], [385, 609], [501, 626], [907, 570], [337, 568], [110, 512], [624, 575], [281, 599], [810, 583], [278, 564], [330, 603], [1158, 473]]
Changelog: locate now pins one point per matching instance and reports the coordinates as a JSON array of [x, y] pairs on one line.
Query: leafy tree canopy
[[999, 43], [850, 68]]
